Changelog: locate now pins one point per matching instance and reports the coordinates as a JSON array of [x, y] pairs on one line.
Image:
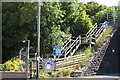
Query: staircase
[[91, 37], [106, 60], [92, 65]]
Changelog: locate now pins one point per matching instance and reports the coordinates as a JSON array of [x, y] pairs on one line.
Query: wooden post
[[31, 75], [55, 64]]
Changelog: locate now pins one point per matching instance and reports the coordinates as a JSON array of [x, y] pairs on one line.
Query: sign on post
[[104, 25], [50, 65], [57, 51]]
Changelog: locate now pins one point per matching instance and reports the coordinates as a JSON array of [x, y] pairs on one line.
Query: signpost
[[50, 65], [57, 51], [104, 25]]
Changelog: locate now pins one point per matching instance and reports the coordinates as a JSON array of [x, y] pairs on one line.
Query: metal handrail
[[75, 43], [95, 60], [71, 46]]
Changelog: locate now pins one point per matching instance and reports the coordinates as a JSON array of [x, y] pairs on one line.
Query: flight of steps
[[106, 61], [92, 65], [90, 38]]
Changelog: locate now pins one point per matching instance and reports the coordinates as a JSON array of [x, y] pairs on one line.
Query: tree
[[20, 21], [59, 21], [101, 16], [93, 7], [76, 20]]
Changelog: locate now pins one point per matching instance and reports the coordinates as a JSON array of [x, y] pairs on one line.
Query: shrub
[[103, 38], [43, 74], [54, 74], [61, 73], [12, 65], [66, 72], [1, 67], [78, 67]]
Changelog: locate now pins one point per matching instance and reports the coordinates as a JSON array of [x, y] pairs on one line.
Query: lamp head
[[24, 41]]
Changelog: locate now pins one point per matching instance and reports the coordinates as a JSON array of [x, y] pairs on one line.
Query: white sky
[[105, 2]]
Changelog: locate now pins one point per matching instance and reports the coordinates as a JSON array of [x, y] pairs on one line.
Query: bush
[[66, 72], [78, 67], [103, 38], [43, 74], [1, 67], [12, 65], [61, 73], [87, 52], [54, 74]]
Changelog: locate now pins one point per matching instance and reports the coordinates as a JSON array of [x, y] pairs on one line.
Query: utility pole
[[38, 41], [28, 49]]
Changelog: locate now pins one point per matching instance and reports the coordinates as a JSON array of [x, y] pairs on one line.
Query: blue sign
[[104, 23], [57, 51], [50, 65]]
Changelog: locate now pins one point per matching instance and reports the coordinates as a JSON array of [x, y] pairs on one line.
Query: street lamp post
[[28, 49], [38, 41], [27, 63], [20, 53]]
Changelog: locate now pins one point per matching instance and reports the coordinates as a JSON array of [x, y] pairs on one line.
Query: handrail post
[[86, 38], [79, 40], [90, 41]]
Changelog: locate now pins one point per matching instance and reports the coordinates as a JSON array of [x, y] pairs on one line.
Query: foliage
[[88, 52], [58, 22], [53, 75], [119, 13], [78, 67], [76, 20], [19, 23], [93, 7], [101, 16], [65, 72], [62, 72], [59, 73], [103, 38], [12, 65], [43, 74], [1, 67]]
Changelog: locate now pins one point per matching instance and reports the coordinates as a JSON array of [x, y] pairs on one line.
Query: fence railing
[[72, 61], [94, 33]]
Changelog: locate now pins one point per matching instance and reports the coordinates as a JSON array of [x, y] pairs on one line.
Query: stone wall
[[13, 75]]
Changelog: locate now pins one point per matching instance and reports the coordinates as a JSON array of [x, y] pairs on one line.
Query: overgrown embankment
[[111, 64]]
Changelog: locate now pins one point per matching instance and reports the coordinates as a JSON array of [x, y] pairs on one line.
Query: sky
[[105, 2]]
